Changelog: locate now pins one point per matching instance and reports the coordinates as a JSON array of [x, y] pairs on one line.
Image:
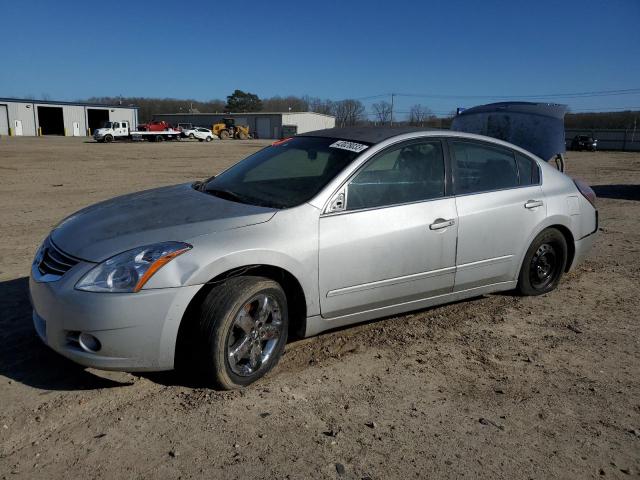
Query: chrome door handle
[[441, 223], [533, 204]]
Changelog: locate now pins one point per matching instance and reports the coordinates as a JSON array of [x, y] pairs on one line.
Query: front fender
[[288, 241]]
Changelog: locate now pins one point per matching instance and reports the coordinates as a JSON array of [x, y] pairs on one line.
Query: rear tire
[[191, 136], [544, 263], [242, 136], [224, 135], [159, 138], [208, 139], [245, 315]]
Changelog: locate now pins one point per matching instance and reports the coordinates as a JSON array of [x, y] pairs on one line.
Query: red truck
[[154, 126]]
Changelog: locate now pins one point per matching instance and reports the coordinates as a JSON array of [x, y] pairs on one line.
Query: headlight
[[130, 270]]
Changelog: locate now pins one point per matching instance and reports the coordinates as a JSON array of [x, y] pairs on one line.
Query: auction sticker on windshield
[[351, 146]]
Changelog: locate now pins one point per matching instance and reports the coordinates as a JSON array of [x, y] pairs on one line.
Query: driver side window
[[402, 174]]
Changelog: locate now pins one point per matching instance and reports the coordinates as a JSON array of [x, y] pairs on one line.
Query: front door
[[76, 129], [395, 241], [499, 203], [17, 124]]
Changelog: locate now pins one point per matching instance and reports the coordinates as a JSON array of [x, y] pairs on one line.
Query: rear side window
[[528, 170], [402, 174], [482, 168]]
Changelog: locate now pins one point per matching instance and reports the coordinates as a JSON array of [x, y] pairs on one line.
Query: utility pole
[[392, 95]]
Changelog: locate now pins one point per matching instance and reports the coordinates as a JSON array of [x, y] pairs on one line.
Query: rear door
[[499, 203], [395, 242]]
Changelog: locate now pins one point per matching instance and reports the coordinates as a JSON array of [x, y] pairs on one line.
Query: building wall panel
[[308, 122], [73, 114], [4, 120], [25, 113], [123, 115]]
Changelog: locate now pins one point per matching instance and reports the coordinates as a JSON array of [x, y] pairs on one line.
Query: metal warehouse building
[[261, 124], [44, 117]]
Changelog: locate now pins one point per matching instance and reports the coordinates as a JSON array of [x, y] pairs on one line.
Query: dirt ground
[[495, 387]]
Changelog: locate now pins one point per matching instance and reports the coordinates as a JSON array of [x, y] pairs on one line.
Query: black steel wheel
[[544, 263]]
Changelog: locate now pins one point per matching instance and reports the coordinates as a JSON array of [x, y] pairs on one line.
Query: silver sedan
[[315, 232]]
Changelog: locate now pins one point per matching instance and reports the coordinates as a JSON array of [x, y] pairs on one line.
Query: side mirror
[[338, 203]]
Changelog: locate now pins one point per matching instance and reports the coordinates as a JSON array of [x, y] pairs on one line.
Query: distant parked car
[[188, 132], [203, 134], [584, 142]]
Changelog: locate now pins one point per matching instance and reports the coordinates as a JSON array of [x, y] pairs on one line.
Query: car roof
[[371, 135]]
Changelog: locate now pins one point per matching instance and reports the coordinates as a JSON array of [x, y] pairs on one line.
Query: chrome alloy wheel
[[254, 334]]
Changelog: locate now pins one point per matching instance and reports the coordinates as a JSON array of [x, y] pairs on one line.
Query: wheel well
[[571, 246], [297, 305]]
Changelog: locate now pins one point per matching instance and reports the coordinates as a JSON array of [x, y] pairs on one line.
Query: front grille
[[54, 261]]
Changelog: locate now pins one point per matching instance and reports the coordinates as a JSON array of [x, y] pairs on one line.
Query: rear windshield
[[286, 174]]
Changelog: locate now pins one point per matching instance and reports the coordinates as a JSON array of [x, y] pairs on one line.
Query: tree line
[[348, 112]]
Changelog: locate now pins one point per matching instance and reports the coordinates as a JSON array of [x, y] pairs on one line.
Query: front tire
[[242, 330], [544, 263]]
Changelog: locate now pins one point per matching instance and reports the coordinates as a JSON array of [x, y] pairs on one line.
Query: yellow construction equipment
[[228, 129]]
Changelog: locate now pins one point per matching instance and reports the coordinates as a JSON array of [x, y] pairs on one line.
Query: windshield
[[107, 125], [285, 174]]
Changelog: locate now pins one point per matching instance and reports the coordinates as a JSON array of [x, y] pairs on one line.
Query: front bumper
[[136, 331]]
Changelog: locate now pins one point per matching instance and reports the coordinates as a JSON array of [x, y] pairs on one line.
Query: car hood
[[163, 214]]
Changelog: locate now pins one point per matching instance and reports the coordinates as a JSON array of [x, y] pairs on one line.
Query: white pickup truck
[[122, 131]]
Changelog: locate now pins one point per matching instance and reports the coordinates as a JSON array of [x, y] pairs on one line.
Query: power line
[[603, 109], [600, 93], [573, 110], [594, 93]]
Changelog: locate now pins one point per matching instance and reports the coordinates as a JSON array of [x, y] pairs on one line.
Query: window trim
[[536, 166], [454, 165], [448, 185]]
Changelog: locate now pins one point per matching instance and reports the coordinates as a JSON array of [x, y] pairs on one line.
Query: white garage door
[[4, 120], [263, 127]]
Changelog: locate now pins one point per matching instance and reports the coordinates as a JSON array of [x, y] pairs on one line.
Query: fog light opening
[[89, 343]]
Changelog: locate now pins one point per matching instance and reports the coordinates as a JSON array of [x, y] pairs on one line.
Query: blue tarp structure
[[536, 127]]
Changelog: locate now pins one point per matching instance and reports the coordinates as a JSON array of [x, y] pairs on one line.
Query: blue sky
[[71, 50]]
